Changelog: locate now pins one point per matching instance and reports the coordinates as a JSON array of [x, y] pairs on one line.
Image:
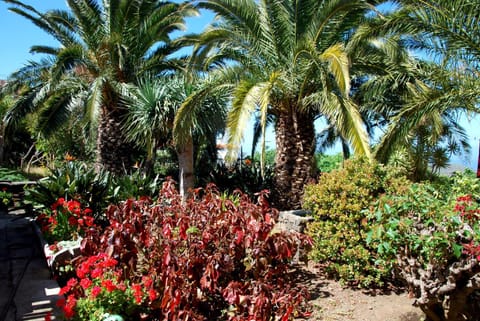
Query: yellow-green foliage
[[338, 203]]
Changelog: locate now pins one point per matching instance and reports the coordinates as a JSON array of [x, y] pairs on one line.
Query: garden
[[142, 252], [151, 208]]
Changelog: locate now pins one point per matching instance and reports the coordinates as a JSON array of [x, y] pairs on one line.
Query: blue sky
[[17, 35]]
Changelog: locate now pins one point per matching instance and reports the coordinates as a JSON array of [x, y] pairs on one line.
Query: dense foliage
[[434, 239], [95, 190], [7, 174], [328, 163], [208, 258], [244, 175], [338, 203]]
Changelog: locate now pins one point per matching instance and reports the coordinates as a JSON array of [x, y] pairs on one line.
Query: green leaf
[[369, 237], [193, 230]]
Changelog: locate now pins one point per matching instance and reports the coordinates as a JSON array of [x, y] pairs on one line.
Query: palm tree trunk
[[186, 167], [295, 143], [113, 151]]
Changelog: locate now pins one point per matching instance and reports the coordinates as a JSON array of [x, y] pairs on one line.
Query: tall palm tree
[[288, 59], [104, 47], [154, 119], [431, 97], [428, 121]]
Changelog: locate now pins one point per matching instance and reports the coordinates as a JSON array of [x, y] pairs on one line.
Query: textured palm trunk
[[186, 167], [294, 165], [113, 152]]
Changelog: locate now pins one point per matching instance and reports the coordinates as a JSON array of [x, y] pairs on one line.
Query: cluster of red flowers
[[465, 206], [100, 274], [469, 211], [66, 219], [78, 217]]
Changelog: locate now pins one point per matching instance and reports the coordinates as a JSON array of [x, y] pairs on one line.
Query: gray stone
[[295, 220]]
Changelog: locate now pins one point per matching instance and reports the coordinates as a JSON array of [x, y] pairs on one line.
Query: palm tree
[[103, 48], [287, 59], [427, 123], [154, 120], [446, 29], [430, 98]]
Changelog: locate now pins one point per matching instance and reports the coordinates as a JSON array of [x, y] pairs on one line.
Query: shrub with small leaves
[[338, 203], [436, 247], [206, 258]]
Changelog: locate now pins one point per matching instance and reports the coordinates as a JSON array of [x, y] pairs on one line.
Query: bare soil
[[333, 302]]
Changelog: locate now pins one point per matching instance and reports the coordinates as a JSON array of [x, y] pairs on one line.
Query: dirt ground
[[333, 302]]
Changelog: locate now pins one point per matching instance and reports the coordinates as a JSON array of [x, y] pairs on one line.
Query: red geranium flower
[[96, 291], [86, 283]]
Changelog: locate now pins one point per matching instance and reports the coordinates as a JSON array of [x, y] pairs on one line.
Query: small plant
[[67, 220], [6, 197], [135, 185], [73, 180], [206, 258]]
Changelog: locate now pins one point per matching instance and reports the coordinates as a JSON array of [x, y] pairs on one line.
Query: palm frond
[[339, 65]]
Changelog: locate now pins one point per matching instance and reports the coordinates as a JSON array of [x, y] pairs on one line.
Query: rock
[[295, 220]]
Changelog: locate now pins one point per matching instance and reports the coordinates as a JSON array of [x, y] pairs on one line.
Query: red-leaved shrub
[[207, 258]]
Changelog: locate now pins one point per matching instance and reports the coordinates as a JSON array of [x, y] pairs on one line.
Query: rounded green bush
[[339, 203]]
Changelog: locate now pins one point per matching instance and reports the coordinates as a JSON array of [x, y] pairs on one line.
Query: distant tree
[[328, 163], [154, 113]]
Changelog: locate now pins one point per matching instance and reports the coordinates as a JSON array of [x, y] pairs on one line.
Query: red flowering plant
[[66, 220], [100, 290], [469, 211], [206, 258]]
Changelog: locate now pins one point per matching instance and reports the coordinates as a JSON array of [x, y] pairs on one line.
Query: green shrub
[[328, 163], [245, 176], [338, 203], [464, 183], [434, 239], [77, 180]]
